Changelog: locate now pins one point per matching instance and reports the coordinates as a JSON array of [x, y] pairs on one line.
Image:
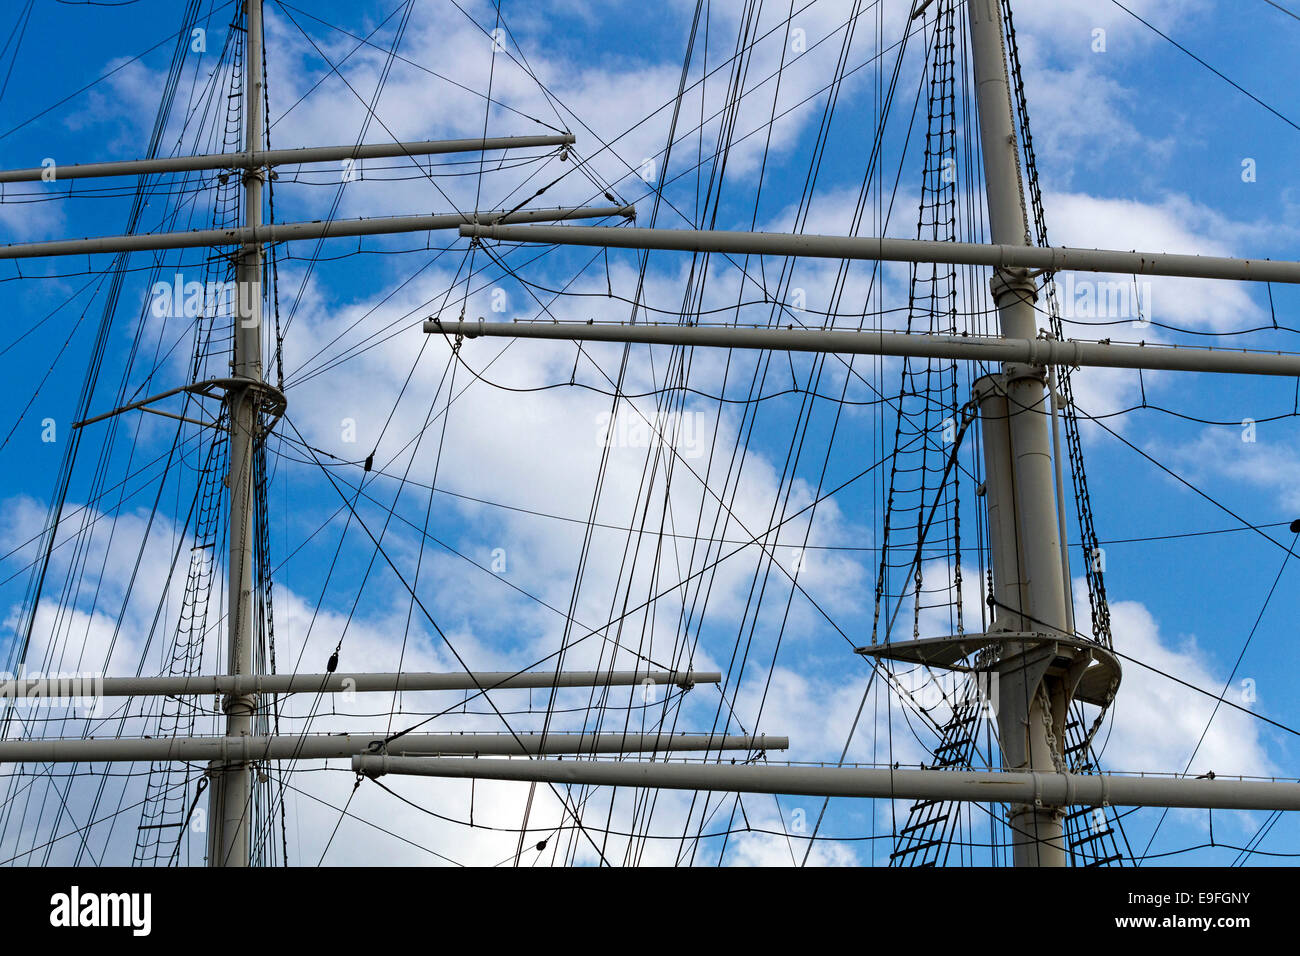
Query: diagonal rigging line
[[784, 309], [1156, 670], [366, 41], [370, 566], [1173, 474], [658, 192], [549, 94], [487, 114], [688, 467], [1279, 6], [848, 741], [1209, 693], [1220, 75], [818, 151], [670, 589], [121, 66], [1226, 684], [96, 822], [370, 114], [740, 53], [373, 340], [425, 533], [360, 819], [655, 430], [522, 62], [686, 171], [19, 31], [76, 572], [668, 444], [334, 67], [429, 617], [428, 512], [343, 813], [371, 111]]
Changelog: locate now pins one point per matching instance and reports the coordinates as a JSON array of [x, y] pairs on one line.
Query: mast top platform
[[1096, 669]]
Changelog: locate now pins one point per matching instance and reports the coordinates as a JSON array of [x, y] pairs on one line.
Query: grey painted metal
[[1059, 789], [240, 751], [263, 158], [1058, 463], [338, 682], [973, 348], [1031, 723], [293, 231], [273, 402], [873, 248], [230, 803], [1009, 586], [1095, 670]]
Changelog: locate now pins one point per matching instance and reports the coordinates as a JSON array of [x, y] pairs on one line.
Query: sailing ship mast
[[232, 785], [1031, 591], [1042, 664]]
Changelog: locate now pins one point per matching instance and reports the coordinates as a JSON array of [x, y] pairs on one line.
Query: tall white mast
[[1023, 536], [231, 799]]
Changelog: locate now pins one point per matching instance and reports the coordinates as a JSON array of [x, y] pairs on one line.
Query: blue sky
[[1139, 147]]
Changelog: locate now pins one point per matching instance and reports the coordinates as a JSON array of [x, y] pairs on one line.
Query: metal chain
[[1045, 702]]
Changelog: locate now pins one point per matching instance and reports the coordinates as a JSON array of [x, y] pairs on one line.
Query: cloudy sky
[[514, 507]]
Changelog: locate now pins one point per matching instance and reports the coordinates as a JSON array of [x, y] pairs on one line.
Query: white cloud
[[1266, 462], [1157, 722]]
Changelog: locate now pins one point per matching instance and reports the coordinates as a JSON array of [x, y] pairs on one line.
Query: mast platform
[[1094, 670]]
